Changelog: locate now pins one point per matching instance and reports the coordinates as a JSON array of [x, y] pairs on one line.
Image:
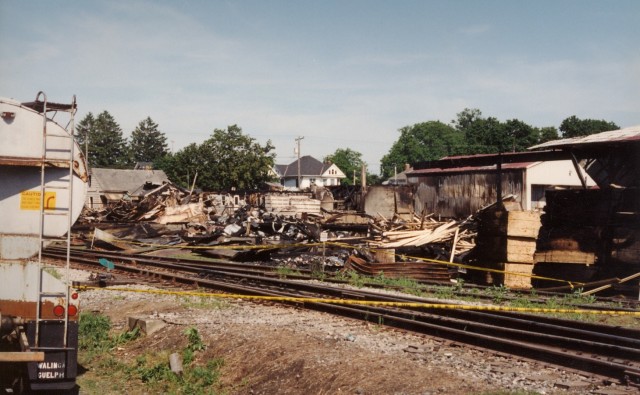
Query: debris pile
[[295, 230]]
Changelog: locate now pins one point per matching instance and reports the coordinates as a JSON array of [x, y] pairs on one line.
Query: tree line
[[231, 159], [471, 133], [228, 159]]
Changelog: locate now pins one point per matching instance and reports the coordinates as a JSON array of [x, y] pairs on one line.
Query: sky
[[341, 74]]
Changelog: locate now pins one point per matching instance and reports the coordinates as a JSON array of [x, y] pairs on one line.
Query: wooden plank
[[386, 255], [27, 356], [520, 249], [523, 224], [518, 275], [565, 256]]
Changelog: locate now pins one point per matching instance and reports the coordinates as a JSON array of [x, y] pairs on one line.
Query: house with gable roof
[[312, 172], [110, 185]]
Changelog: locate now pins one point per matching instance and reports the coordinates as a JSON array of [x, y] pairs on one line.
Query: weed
[[444, 292], [576, 297], [195, 341], [152, 369], [203, 302], [94, 337], [318, 274], [498, 293], [284, 272], [93, 331], [459, 285], [356, 280]]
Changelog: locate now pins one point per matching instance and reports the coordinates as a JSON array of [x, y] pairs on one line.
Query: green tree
[[107, 147], [486, 136], [489, 135], [228, 159], [521, 135], [547, 134], [349, 161], [466, 117], [182, 166], [83, 130], [148, 144], [575, 127], [421, 142]]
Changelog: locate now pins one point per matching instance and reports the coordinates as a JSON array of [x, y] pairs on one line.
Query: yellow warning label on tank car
[[30, 200]]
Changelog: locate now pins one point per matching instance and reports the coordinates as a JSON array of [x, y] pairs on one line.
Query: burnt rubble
[[289, 229]]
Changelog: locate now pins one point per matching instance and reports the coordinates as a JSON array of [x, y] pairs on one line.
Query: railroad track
[[437, 278], [601, 350]]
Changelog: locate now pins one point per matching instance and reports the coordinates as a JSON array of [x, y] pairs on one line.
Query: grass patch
[[203, 302], [151, 370], [284, 272]]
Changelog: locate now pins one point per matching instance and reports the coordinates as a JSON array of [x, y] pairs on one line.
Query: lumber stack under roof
[[589, 234], [507, 241]]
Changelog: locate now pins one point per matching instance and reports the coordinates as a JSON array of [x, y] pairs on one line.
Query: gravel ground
[[270, 348]]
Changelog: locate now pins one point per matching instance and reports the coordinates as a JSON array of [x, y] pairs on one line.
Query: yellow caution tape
[[370, 302], [571, 284]]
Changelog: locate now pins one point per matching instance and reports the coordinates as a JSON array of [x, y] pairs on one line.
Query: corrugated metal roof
[[505, 166], [629, 134]]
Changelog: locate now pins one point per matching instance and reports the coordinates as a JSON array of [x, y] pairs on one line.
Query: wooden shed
[[457, 192]]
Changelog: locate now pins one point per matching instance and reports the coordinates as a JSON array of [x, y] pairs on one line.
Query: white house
[[311, 171]]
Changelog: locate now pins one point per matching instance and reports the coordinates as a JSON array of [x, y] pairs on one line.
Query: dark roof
[[281, 169], [126, 180], [309, 166]]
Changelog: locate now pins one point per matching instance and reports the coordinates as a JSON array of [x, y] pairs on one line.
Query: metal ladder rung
[[60, 162], [53, 294], [54, 238], [62, 158], [65, 213], [52, 348]]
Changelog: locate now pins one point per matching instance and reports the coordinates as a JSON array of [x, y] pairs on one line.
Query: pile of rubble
[[289, 229]]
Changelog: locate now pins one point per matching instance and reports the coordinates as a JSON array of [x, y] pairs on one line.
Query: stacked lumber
[[419, 232], [291, 205], [587, 233], [436, 233], [507, 241], [572, 221], [428, 236]]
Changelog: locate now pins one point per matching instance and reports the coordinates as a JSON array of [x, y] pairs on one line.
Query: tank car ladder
[[47, 148]]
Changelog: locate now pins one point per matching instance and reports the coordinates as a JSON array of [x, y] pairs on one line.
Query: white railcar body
[[21, 152]]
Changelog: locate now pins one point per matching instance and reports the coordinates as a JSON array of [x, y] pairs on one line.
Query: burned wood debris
[[296, 230]]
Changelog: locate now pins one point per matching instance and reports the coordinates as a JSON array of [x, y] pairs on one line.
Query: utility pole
[[298, 150]]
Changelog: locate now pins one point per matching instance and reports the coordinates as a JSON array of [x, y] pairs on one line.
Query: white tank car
[[21, 152], [40, 198]]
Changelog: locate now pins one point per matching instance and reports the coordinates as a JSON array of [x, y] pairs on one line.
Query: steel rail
[[558, 326], [480, 334], [306, 274]]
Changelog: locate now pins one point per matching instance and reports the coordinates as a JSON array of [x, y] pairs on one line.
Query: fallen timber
[[602, 350]]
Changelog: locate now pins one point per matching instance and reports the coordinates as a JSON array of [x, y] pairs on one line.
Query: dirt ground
[[273, 349]]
